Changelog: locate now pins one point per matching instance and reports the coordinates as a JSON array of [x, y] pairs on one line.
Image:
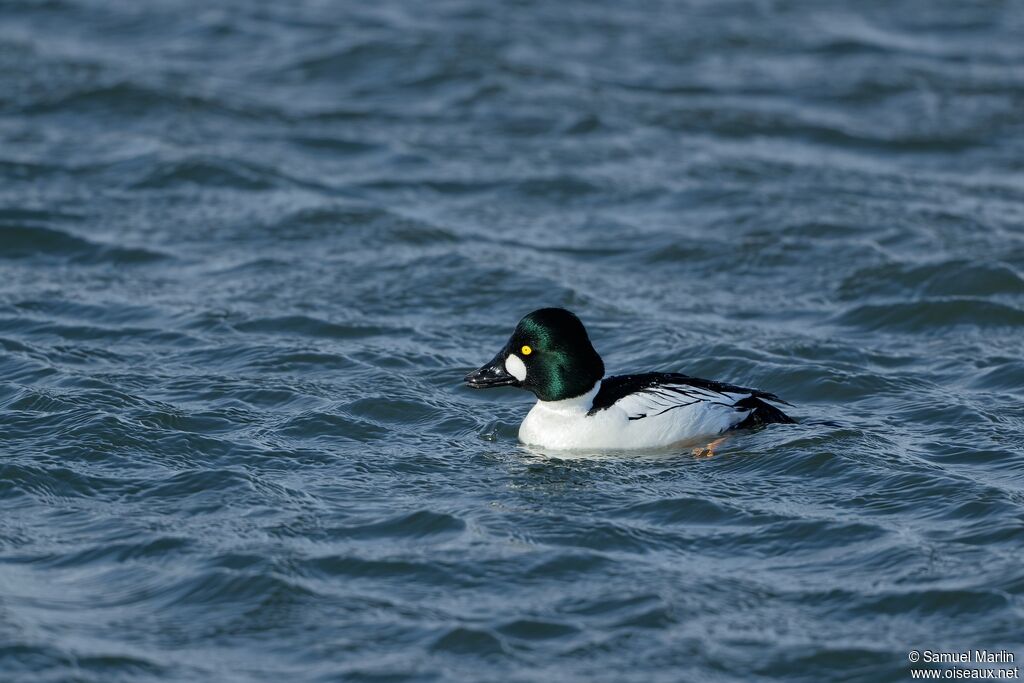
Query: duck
[[550, 354]]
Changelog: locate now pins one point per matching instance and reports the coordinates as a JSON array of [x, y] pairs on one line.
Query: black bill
[[493, 374]]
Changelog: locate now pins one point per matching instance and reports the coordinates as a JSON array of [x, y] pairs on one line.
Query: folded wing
[[657, 393]]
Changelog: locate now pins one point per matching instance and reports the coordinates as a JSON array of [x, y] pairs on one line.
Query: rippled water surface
[[248, 250]]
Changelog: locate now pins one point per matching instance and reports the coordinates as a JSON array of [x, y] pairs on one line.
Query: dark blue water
[[248, 250]]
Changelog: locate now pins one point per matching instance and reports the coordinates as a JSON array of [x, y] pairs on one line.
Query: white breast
[[566, 425]]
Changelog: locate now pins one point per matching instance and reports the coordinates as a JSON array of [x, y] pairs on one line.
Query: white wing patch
[[663, 398]]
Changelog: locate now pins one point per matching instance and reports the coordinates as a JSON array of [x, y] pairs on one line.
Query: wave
[[38, 241], [931, 315]]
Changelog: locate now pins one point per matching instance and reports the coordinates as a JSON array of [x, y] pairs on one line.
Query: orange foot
[[709, 450]]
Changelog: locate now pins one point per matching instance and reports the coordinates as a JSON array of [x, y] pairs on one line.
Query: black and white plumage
[[656, 393], [551, 355]]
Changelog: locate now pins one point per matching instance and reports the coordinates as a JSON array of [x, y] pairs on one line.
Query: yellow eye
[[526, 350]]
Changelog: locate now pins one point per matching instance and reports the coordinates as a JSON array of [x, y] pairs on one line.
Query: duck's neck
[[570, 406]]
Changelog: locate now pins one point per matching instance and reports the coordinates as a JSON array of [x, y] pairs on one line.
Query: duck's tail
[[761, 413]]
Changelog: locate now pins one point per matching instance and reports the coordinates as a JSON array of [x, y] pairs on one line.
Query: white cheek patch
[[515, 367]]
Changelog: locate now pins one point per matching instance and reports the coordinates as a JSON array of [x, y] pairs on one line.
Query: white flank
[[670, 419]]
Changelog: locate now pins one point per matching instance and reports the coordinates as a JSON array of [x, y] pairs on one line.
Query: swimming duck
[[550, 354]]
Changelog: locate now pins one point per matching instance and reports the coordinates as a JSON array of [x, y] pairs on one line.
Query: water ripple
[[250, 249]]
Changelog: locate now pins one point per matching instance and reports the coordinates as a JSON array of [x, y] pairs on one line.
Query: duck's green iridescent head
[[549, 353]]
